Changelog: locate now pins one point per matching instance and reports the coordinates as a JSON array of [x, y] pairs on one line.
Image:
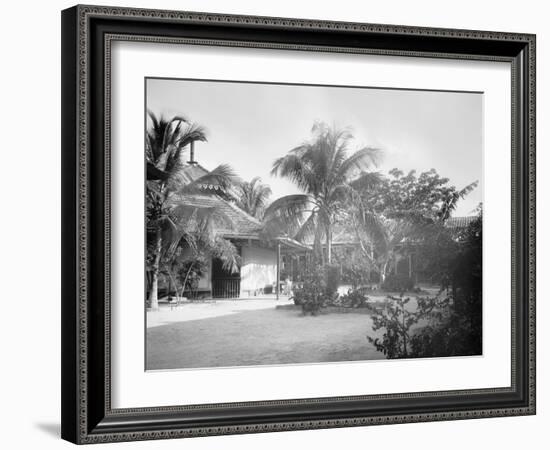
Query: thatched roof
[[243, 224]]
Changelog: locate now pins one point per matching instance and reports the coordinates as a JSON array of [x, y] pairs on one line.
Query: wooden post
[[278, 283], [410, 265]]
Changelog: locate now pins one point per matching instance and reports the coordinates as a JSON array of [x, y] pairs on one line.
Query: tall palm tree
[[169, 218], [253, 197], [322, 168]]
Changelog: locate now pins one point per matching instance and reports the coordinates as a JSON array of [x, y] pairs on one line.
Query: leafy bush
[[312, 294], [356, 299], [397, 322], [398, 283], [454, 336], [454, 325], [459, 333], [353, 299]]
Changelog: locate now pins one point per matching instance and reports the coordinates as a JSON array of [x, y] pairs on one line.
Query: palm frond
[[154, 173], [175, 162], [451, 203], [192, 223], [226, 251], [193, 133], [361, 160], [288, 207], [293, 166], [307, 228], [161, 134], [285, 215], [253, 197], [200, 219]]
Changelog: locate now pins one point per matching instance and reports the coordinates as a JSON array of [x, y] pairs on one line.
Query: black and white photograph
[[275, 225], [299, 224]]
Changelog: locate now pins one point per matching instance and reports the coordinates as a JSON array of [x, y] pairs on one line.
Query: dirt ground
[[253, 332]]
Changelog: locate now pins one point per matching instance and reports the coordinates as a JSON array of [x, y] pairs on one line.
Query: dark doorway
[[225, 284]]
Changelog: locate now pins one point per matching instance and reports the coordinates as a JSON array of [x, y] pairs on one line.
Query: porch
[[267, 270]]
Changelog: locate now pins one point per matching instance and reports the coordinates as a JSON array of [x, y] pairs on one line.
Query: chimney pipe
[[192, 153]]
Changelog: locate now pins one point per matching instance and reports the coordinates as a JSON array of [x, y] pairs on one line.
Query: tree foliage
[[190, 259], [398, 319], [170, 218], [391, 214], [322, 168], [450, 323], [253, 197], [460, 332]]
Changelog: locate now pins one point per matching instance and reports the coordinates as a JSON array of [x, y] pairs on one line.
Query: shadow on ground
[[52, 429]]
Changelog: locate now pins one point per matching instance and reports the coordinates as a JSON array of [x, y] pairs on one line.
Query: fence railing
[[226, 287]]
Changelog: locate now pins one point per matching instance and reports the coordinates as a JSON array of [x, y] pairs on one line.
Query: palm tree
[[322, 169], [169, 218], [192, 253], [253, 197]]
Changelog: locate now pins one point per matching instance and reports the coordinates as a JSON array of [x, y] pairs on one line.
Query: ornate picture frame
[[88, 33]]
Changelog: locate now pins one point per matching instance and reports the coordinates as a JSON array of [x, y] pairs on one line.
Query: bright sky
[[250, 125]]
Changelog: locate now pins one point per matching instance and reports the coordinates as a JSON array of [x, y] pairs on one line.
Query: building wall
[[258, 269]]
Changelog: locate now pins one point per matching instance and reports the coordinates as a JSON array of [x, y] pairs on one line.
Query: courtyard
[[253, 332]]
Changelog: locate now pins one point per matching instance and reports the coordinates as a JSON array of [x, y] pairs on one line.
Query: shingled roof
[[243, 224], [459, 222]]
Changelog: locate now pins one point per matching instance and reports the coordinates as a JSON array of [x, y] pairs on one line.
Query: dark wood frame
[[87, 32]]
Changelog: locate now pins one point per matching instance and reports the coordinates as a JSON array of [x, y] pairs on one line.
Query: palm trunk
[[153, 294], [318, 249], [186, 278], [329, 244], [383, 269]]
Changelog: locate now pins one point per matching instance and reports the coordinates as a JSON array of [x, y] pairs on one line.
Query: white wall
[[30, 225], [258, 269]]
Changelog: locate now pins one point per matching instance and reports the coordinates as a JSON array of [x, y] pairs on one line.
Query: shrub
[[453, 336], [460, 331], [398, 283], [353, 299], [397, 322], [312, 294], [310, 298]]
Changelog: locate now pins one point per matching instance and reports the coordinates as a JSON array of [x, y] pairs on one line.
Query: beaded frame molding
[[87, 35]]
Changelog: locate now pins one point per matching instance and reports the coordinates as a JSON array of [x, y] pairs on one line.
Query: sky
[[250, 125]]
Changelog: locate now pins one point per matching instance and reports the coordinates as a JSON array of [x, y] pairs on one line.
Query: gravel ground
[[253, 332]]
